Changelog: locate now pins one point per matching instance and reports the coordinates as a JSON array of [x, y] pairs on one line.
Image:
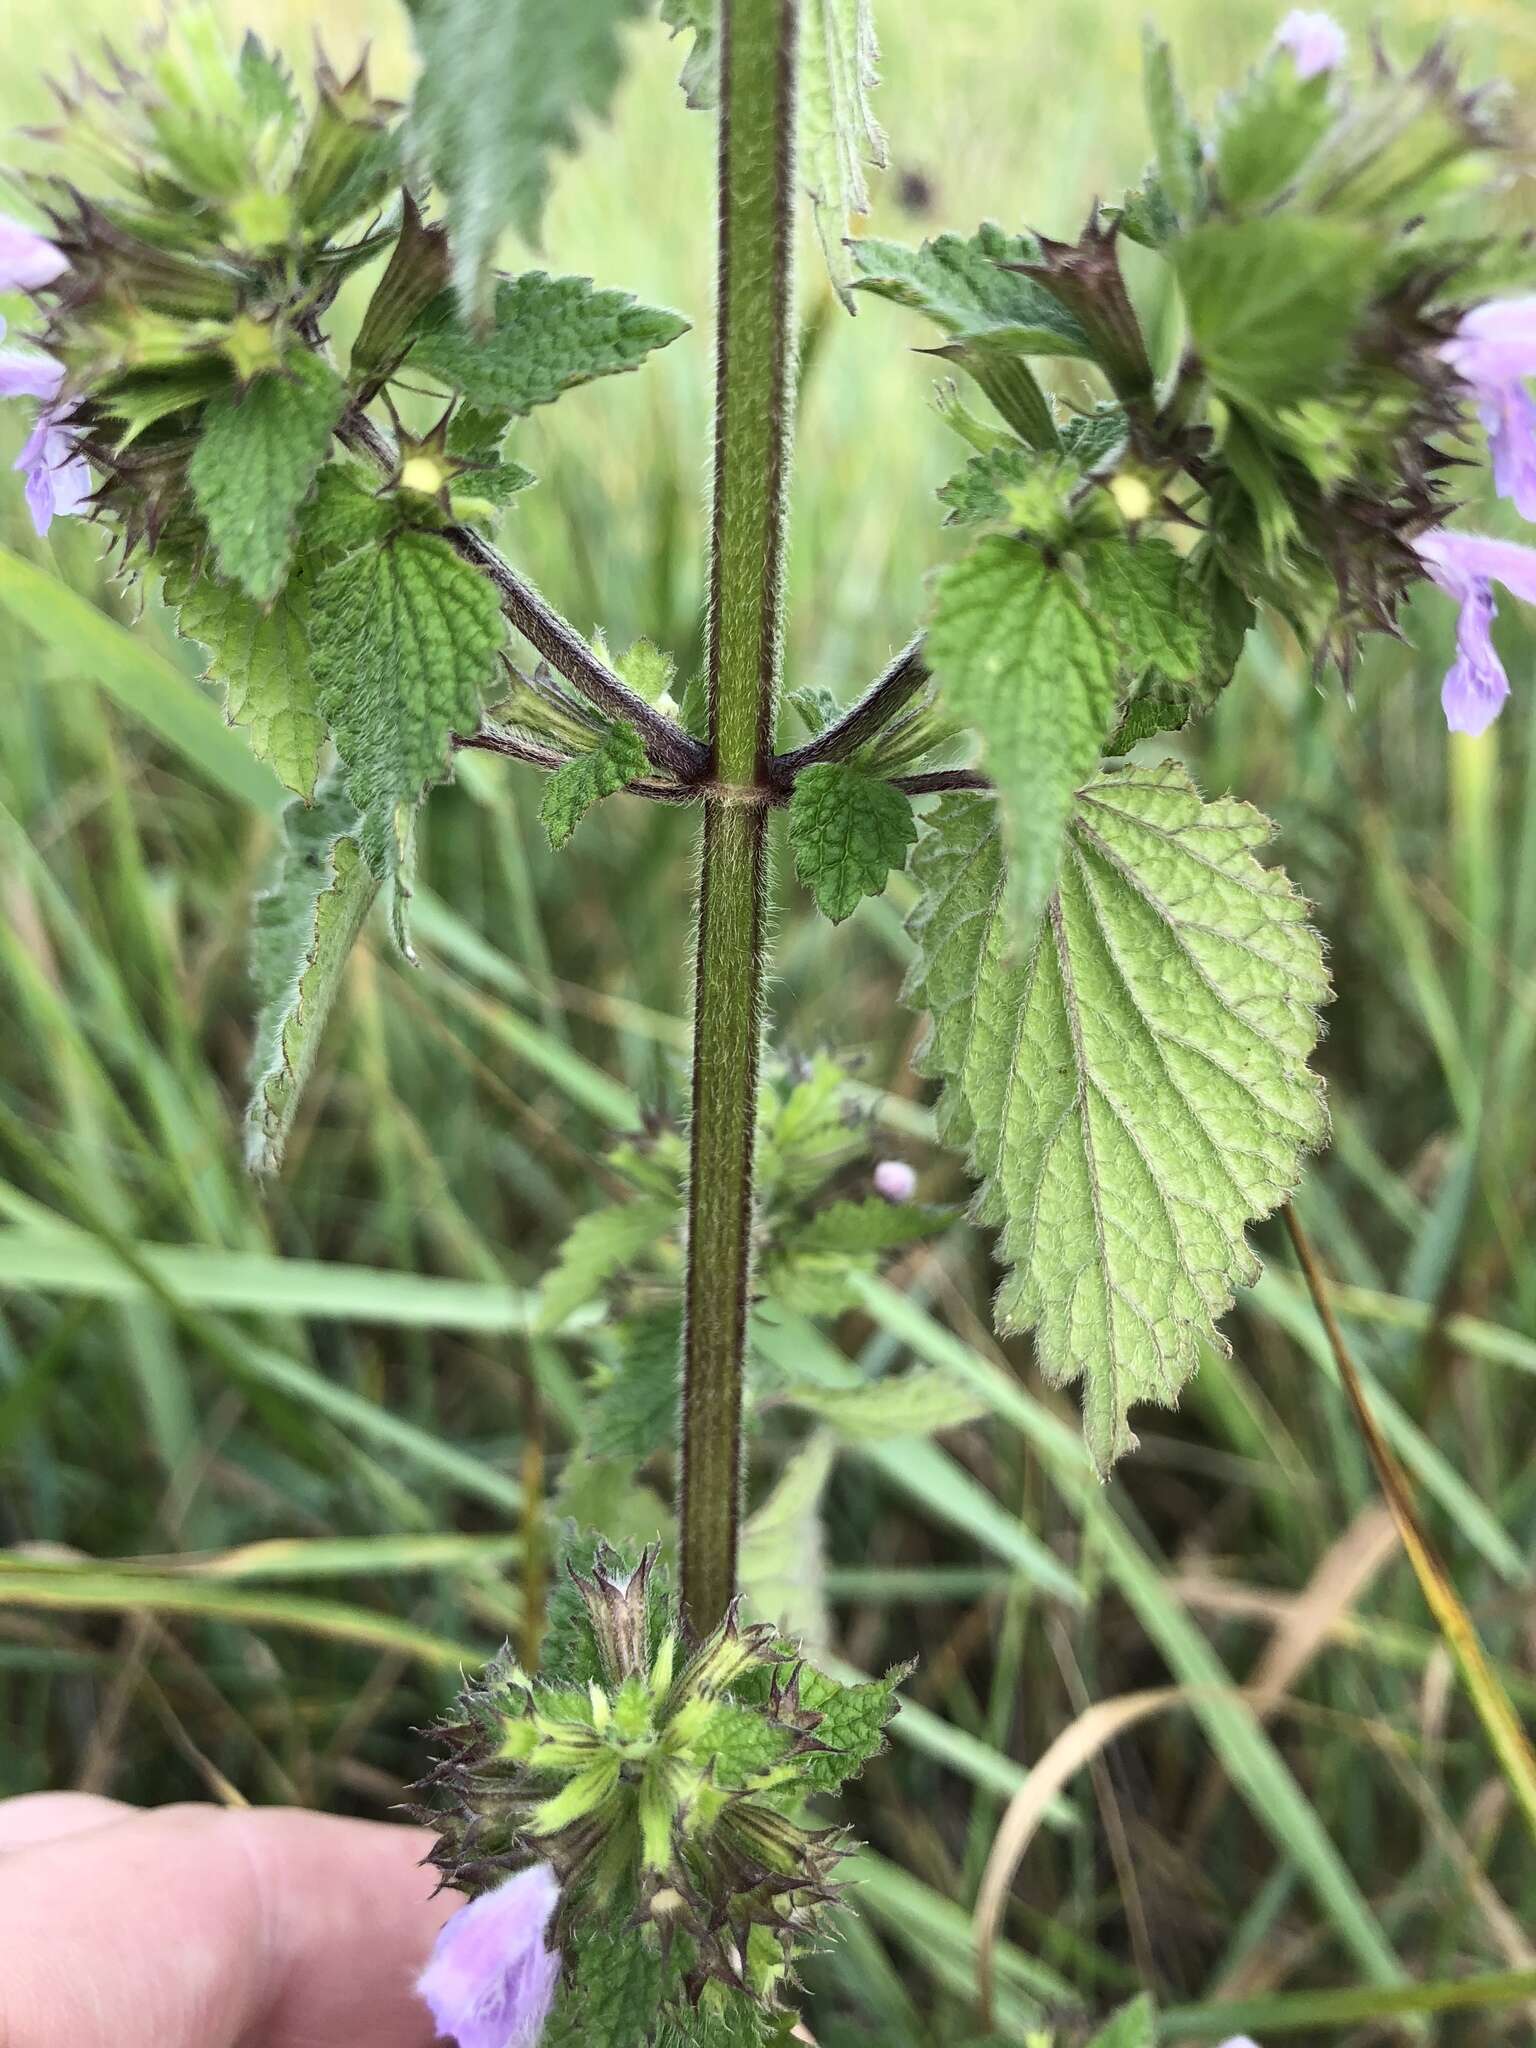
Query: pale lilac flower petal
[[895, 1180], [1495, 341], [1240, 2041], [58, 480], [491, 1981], [1315, 41], [27, 261], [1493, 352], [1458, 560], [1474, 690], [29, 376], [1508, 414], [1466, 566]]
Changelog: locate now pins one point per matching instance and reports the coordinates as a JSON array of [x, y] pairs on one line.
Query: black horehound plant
[[1122, 999]]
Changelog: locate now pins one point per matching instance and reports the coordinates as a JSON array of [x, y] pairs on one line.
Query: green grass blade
[[144, 683]]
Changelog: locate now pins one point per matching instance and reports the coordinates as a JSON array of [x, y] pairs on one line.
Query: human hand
[[193, 1927]]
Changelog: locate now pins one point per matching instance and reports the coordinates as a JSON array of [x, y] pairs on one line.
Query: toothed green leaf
[[853, 1723], [848, 830], [503, 85], [404, 637], [572, 790], [783, 1551], [546, 335], [610, 1992], [1131, 1083], [262, 659], [962, 288], [838, 130], [974, 494], [1019, 653], [256, 459], [304, 926], [1151, 602]]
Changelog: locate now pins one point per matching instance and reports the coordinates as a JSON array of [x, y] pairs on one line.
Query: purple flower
[[1466, 566], [27, 261], [1315, 41], [895, 1180], [491, 1981], [58, 480], [1493, 352]]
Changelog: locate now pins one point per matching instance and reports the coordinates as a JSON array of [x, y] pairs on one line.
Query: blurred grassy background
[[314, 1424]]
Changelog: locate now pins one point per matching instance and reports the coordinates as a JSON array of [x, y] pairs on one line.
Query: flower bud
[[350, 158]]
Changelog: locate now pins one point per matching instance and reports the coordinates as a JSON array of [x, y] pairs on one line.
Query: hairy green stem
[[753, 426]]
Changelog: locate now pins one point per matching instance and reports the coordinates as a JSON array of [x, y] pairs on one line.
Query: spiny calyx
[[659, 1779]]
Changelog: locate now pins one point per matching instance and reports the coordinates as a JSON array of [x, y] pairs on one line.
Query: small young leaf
[[916, 1403], [571, 791], [1174, 135], [853, 1723], [838, 129], [1134, 1092], [1272, 303], [1019, 654], [974, 494], [503, 83], [1268, 131], [262, 659], [547, 335], [498, 483], [303, 928], [1133, 2026], [700, 77], [254, 463], [872, 1226], [848, 830], [783, 1550], [1093, 439], [648, 670], [634, 1412], [814, 705], [598, 1246], [404, 643], [963, 289], [1161, 702]]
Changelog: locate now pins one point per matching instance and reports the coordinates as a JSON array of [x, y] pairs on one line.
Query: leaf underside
[[303, 929], [503, 86], [1133, 1091], [838, 130]]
